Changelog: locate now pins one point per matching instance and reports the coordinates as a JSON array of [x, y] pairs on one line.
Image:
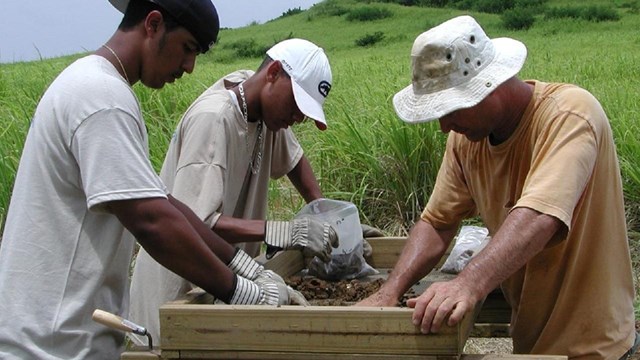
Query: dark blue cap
[[198, 16]]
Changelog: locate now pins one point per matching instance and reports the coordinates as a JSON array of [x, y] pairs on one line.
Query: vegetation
[[367, 155]]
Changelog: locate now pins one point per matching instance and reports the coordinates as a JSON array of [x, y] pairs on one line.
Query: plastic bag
[[470, 240], [347, 260]]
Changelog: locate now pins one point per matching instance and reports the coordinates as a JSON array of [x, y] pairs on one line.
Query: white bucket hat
[[455, 66], [310, 73]]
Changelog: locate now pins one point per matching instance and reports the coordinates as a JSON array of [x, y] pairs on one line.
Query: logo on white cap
[[324, 87]]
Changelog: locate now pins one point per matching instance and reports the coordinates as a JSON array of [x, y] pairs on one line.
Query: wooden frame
[[191, 328]]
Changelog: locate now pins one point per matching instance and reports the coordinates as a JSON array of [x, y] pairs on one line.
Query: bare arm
[[167, 233], [240, 230], [304, 180], [425, 246], [524, 234]]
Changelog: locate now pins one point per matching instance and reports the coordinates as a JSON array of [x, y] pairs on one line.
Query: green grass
[[367, 155]]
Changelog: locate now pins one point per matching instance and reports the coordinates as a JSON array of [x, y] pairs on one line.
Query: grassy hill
[[367, 155]]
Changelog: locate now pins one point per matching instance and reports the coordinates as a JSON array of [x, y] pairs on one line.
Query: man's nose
[[445, 126], [189, 64]]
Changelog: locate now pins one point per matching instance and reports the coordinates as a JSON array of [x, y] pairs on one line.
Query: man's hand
[[314, 238], [262, 291], [378, 299], [367, 232], [442, 300], [370, 231]]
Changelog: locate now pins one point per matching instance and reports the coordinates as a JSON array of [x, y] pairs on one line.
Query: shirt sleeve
[[450, 200], [287, 152], [199, 180], [562, 163], [111, 152]]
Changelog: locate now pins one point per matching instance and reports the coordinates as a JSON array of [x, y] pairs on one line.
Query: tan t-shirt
[[205, 167], [575, 297]]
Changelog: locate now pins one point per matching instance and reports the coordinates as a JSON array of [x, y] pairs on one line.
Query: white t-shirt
[[62, 256], [205, 168]]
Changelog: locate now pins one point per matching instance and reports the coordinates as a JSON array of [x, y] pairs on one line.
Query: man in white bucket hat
[[537, 163]]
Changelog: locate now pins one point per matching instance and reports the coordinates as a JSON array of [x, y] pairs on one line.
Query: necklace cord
[[256, 156], [119, 62]]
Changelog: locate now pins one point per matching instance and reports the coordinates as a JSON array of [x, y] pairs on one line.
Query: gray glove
[[263, 291], [244, 265], [314, 238], [370, 231]]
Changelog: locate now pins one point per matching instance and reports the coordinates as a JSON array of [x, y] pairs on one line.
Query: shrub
[[590, 13], [432, 3], [290, 12], [328, 8], [518, 19], [368, 13], [248, 48], [370, 39], [536, 6], [600, 13], [493, 6]]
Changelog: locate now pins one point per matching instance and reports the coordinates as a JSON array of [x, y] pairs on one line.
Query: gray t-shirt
[[62, 256]]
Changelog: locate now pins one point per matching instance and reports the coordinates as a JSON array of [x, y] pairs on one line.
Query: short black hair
[[137, 11]]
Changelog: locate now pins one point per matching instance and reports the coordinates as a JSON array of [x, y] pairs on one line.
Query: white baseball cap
[[310, 73], [455, 66]]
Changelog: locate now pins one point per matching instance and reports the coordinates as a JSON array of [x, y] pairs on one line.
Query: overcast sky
[[34, 29]]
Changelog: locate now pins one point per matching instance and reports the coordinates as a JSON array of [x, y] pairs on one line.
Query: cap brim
[[308, 105], [120, 5], [414, 108]]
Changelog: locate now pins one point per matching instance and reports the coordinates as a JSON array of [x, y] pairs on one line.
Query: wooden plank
[[263, 355], [386, 251], [139, 355], [317, 329], [511, 357]]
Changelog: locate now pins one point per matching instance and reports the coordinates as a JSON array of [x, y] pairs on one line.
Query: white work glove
[[263, 291], [313, 237], [245, 266], [368, 232]]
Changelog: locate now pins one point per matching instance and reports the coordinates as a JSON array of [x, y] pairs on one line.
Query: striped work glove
[[245, 266], [313, 237], [262, 291]]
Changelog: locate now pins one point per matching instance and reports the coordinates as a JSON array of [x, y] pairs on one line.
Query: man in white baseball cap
[[531, 159], [231, 141]]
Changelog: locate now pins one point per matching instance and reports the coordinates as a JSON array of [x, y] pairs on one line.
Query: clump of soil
[[338, 293]]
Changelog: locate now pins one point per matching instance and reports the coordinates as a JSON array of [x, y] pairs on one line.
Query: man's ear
[[274, 70], [153, 22]]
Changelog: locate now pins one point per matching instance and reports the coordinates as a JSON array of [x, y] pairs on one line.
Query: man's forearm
[[425, 246], [524, 233], [216, 244], [304, 180]]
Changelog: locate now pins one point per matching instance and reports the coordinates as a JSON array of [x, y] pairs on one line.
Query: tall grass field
[[367, 155]]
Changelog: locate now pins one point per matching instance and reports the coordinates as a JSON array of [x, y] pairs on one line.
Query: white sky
[[31, 29]]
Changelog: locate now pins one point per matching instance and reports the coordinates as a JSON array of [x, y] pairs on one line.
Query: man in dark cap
[[85, 177]]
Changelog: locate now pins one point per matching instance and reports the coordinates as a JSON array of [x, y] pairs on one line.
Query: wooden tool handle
[[116, 322]]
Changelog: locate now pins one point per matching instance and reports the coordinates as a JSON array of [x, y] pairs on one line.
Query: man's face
[[279, 108], [171, 55], [475, 123]]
